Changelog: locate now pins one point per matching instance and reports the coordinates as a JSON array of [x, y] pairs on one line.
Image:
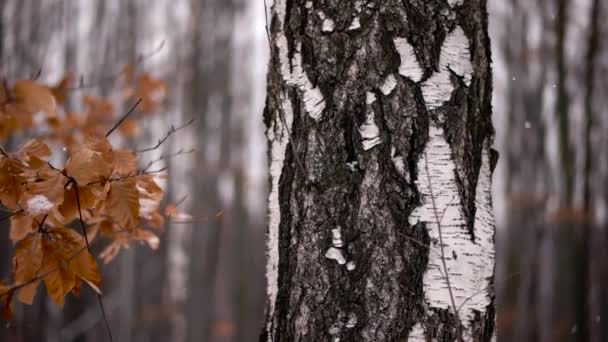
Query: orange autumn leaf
[[122, 203], [11, 182], [61, 89], [129, 128], [34, 97], [27, 266], [125, 162], [88, 166], [78, 259], [21, 225], [150, 90], [59, 257]]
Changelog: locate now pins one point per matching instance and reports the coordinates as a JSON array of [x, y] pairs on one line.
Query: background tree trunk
[[379, 125]]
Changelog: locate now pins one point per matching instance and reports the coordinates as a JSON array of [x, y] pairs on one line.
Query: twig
[[9, 215], [167, 156], [86, 239], [171, 131], [4, 152], [140, 59], [123, 118]]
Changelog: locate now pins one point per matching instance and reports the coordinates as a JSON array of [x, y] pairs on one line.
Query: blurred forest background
[[206, 281]]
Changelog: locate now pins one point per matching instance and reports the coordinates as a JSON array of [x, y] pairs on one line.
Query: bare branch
[[86, 239], [171, 131], [123, 118], [9, 215]]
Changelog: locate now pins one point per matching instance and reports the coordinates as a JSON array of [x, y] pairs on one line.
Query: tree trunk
[[379, 126]]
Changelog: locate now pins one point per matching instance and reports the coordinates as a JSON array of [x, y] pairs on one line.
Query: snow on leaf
[[39, 204]]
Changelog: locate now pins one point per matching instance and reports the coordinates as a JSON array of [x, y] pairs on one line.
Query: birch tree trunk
[[379, 127]]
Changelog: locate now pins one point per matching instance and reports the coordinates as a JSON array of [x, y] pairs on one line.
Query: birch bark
[[379, 129]]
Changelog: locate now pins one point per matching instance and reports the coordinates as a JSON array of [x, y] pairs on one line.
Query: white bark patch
[[370, 98], [352, 321], [469, 265], [417, 333], [334, 253], [455, 56], [399, 164], [350, 266], [328, 25], [409, 66], [336, 238], [389, 85], [278, 134], [453, 3], [294, 75], [370, 133], [355, 24]]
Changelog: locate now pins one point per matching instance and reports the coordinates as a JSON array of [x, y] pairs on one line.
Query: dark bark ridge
[[331, 183]]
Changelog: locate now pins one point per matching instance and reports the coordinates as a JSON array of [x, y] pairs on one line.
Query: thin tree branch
[[171, 131], [86, 239], [123, 118], [9, 215]]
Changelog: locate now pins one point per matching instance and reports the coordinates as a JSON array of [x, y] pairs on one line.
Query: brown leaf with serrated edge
[[46, 182], [125, 162], [80, 262], [34, 97], [88, 166], [151, 91], [27, 265], [150, 187], [34, 148], [122, 203], [59, 281], [11, 182], [21, 226]]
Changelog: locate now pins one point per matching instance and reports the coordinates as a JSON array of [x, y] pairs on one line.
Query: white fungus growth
[[350, 266], [389, 84], [409, 66], [335, 254], [328, 25], [39, 204]]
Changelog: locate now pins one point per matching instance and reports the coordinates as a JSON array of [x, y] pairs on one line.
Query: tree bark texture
[[379, 126]]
